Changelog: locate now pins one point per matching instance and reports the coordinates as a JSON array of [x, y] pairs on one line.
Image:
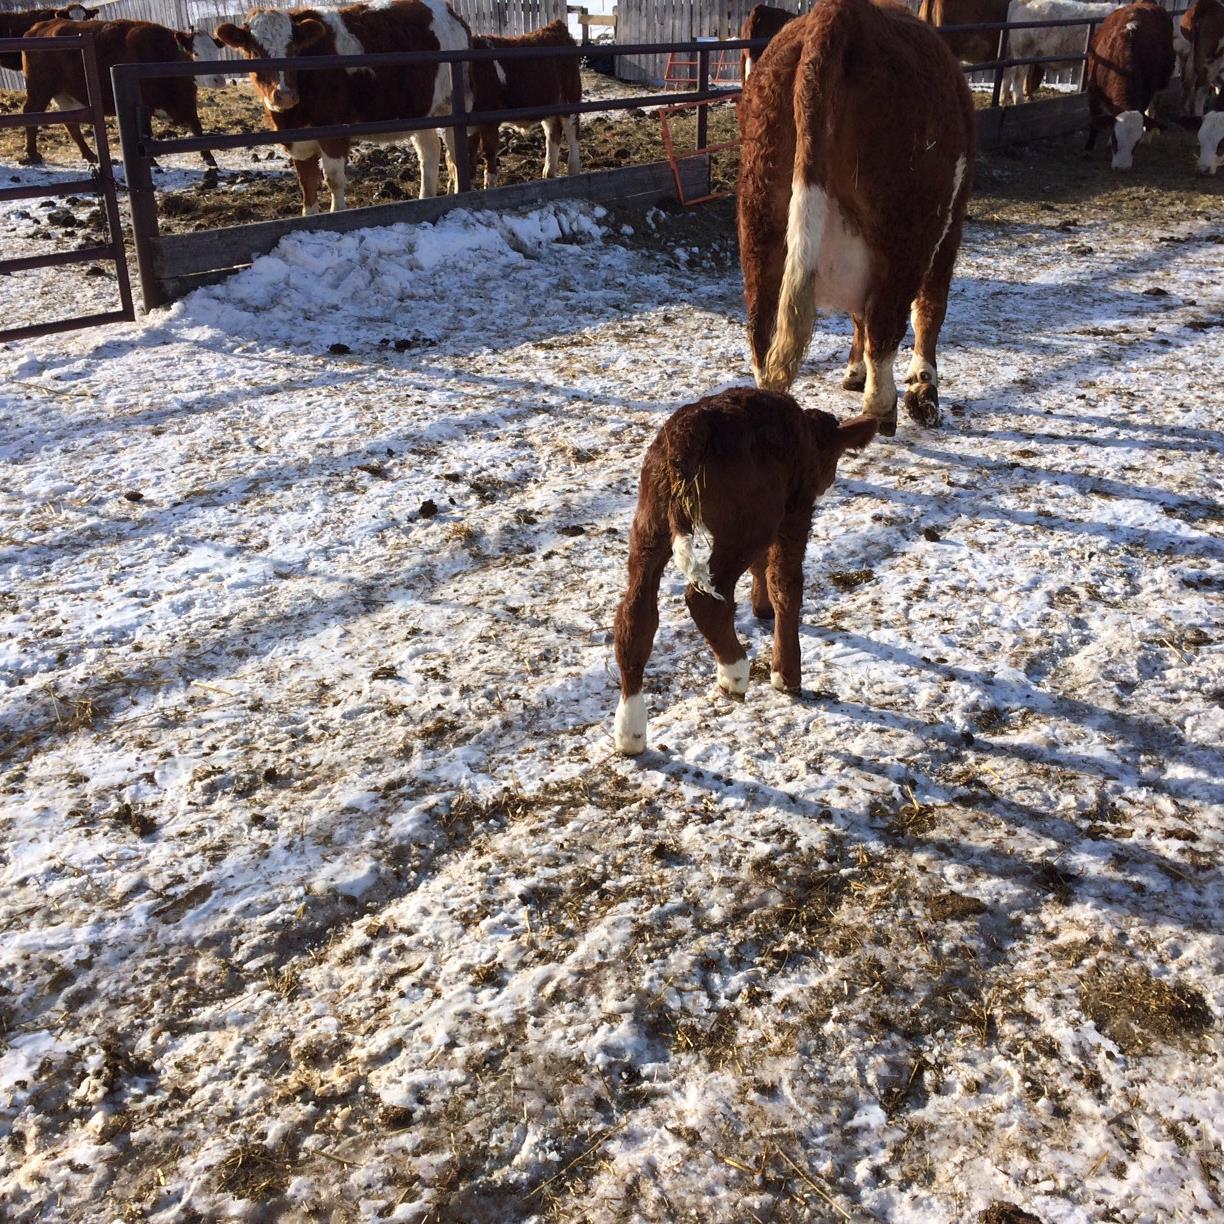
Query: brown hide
[[744, 467], [764, 21], [1202, 26], [866, 108], [52, 74], [14, 25], [969, 48], [527, 82], [1129, 62]]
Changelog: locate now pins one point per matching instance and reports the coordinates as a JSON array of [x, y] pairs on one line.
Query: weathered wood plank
[[1008, 125], [181, 257]]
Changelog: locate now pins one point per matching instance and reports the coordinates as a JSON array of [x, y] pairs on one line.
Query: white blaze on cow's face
[[205, 48], [1211, 143], [273, 31], [1128, 128]]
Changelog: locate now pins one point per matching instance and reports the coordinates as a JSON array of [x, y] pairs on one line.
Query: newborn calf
[[743, 468]]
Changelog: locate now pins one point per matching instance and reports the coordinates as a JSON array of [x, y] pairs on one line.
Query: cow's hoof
[[779, 682], [629, 729], [854, 382], [887, 426], [733, 678], [922, 404], [33, 160]]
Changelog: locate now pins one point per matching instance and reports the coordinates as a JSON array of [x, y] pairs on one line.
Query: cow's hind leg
[[884, 323], [856, 368], [426, 144], [762, 606], [927, 316], [637, 621], [74, 130]]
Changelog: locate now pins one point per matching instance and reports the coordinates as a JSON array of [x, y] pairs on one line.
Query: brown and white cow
[[14, 25], [59, 76], [1130, 61], [973, 46], [1202, 31], [1023, 81], [520, 82], [764, 21], [743, 469], [855, 169], [353, 95]]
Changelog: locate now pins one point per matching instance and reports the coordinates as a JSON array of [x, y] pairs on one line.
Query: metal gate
[[100, 182]]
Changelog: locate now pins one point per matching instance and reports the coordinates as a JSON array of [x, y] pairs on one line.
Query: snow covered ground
[[325, 897]]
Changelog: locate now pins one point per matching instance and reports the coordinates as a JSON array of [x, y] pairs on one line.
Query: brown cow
[[764, 21], [968, 47], [1130, 60], [520, 82], [744, 469], [858, 148], [59, 76], [14, 25], [1202, 28], [354, 95]]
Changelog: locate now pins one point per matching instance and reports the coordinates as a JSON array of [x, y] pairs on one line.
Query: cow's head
[[1211, 142], [77, 12], [204, 48], [1127, 130], [271, 34]]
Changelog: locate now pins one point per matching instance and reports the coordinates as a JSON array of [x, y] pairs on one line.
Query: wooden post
[[106, 174], [999, 69], [134, 132], [1083, 79], [703, 84]]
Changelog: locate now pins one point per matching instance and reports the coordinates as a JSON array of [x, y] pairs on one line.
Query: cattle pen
[[170, 265]]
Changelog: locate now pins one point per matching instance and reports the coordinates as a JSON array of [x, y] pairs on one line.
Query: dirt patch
[[1135, 1009], [952, 905], [1007, 1213]]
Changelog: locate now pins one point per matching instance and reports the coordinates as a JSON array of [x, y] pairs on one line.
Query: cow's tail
[[819, 83]]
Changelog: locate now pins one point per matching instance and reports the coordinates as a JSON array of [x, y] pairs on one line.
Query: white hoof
[[733, 677], [775, 678], [629, 730]]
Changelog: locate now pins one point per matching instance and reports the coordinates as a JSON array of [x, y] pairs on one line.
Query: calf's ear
[[855, 433], [238, 37]]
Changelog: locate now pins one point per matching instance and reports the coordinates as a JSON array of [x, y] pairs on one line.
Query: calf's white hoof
[[733, 677], [629, 729], [775, 678]]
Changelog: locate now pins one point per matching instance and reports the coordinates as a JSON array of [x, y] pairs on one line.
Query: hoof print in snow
[[572, 529], [338, 349], [385, 672], [428, 509], [377, 470], [136, 820], [932, 534], [133, 495]]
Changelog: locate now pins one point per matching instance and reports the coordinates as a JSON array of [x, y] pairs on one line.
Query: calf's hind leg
[[714, 615], [637, 622], [785, 577]]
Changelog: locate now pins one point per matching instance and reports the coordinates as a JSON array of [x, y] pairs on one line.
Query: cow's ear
[[236, 36], [855, 433], [185, 40], [308, 32]]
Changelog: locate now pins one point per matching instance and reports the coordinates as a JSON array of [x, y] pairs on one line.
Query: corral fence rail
[[101, 182], [170, 264]]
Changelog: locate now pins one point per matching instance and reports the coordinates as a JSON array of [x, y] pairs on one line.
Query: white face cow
[[1127, 131], [1211, 142], [205, 49]]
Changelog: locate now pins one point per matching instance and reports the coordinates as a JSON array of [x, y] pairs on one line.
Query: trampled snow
[[324, 891]]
